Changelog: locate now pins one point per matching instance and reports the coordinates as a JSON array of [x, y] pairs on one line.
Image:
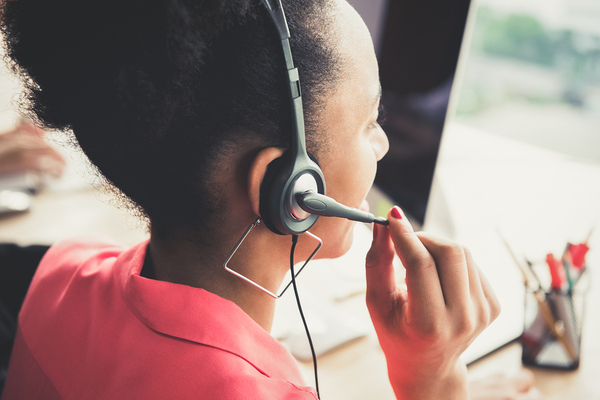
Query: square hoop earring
[[256, 285]]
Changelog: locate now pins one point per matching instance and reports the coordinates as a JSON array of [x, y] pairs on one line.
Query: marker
[[578, 252], [557, 272]]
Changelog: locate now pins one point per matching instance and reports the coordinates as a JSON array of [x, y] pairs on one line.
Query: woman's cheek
[[337, 235]]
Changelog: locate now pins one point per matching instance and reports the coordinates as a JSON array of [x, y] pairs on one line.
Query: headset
[[292, 194]]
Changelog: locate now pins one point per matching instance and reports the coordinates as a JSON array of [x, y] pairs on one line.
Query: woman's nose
[[380, 144]]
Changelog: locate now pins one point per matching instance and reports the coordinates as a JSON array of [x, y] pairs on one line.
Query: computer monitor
[[418, 45], [518, 160]]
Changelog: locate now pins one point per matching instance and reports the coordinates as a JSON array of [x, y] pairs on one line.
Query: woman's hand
[[424, 327], [24, 149]]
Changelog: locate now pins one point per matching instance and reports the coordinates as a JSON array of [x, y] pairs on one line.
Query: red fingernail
[[375, 231], [396, 213]]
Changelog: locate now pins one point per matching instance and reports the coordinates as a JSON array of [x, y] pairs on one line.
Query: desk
[[353, 372]]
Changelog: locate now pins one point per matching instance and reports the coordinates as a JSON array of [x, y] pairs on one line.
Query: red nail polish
[[375, 231], [396, 213]]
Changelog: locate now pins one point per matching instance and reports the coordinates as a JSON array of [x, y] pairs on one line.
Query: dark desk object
[[17, 266]]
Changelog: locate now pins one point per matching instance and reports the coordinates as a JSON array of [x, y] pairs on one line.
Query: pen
[[567, 262]]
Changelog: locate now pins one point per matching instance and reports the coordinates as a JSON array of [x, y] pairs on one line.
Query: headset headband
[[298, 138], [293, 189]]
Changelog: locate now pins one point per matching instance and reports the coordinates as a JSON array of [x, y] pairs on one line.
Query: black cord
[[312, 349]]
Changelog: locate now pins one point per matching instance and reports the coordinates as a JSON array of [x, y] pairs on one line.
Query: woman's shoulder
[[67, 257], [69, 273], [77, 251]]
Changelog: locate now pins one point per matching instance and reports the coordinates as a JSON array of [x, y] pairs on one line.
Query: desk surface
[[355, 371]]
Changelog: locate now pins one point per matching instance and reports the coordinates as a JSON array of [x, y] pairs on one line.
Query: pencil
[[587, 239], [535, 276], [556, 327]]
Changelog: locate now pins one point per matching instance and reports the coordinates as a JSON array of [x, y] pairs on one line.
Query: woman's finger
[[482, 305], [45, 160], [481, 290], [452, 270], [426, 301], [491, 297], [381, 283]]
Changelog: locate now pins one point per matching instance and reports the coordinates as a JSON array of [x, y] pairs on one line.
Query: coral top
[[92, 328]]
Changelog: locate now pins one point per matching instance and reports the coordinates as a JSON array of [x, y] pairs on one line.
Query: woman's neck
[[263, 258]]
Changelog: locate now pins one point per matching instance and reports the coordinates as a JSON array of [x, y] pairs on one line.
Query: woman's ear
[[258, 168]]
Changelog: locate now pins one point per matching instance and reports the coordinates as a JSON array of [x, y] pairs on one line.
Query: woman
[[182, 107]]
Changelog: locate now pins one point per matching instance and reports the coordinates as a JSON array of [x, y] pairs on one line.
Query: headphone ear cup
[[267, 209], [281, 179]]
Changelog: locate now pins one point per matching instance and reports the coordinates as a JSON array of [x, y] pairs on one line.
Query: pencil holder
[[552, 327]]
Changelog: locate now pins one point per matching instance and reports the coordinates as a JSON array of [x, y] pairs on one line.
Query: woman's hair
[[155, 90]]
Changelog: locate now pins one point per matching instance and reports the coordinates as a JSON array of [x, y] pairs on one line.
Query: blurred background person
[[24, 149]]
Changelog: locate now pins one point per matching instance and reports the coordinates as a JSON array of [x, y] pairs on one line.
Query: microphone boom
[[319, 204]]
